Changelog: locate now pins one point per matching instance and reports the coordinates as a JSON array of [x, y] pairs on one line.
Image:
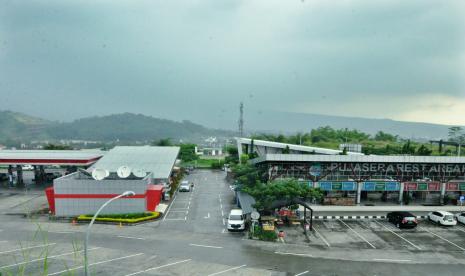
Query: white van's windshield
[[235, 217]]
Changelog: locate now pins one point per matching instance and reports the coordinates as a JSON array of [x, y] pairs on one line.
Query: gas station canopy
[[50, 157]]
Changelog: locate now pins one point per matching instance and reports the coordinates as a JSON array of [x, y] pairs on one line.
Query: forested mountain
[[128, 127], [18, 126], [131, 127]]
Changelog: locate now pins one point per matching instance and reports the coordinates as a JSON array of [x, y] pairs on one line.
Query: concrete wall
[[78, 191]]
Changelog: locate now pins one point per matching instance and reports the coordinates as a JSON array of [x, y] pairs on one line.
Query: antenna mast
[[241, 119]]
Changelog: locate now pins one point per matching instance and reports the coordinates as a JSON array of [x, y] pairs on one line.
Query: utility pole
[[241, 119]]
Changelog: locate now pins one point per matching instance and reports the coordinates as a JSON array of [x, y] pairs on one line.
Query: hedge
[[126, 218]]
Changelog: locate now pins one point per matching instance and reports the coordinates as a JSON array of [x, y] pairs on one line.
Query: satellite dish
[[99, 174], [139, 173], [255, 215], [123, 172]]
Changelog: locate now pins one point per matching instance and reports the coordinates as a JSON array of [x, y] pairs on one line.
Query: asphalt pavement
[[191, 240]]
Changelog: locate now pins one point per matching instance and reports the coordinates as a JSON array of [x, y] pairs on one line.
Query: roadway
[[191, 240]]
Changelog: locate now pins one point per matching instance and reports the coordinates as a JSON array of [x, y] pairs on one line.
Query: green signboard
[[337, 186], [462, 186], [422, 187]]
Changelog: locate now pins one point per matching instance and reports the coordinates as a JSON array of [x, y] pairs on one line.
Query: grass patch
[[126, 218], [203, 163]]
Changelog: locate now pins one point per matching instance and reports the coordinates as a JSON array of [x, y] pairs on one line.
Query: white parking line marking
[[223, 231], [158, 267], [48, 257], [321, 236], [24, 248], [391, 260], [3, 241], [207, 246], [295, 254], [127, 237], [390, 230], [458, 246], [208, 216], [97, 263], [458, 228], [358, 234], [62, 232], [227, 270], [169, 208], [302, 273], [224, 222]]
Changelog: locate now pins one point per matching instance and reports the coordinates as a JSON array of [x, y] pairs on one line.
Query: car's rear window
[[448, 217], [409, 218]]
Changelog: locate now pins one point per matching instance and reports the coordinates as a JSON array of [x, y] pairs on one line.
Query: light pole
[[86, 263]]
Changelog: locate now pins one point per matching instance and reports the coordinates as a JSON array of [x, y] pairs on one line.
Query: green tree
[[382, 136], [423, 150], [455, 134], [232, 157], [283, 189], [165, 142], [244, 158], [187, 152], [248, 175], [286, 150], [57, 147], [408, 148]]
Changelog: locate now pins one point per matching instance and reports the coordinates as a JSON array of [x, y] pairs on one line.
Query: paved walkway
[[413, 208]]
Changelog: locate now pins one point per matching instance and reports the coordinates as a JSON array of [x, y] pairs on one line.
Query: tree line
[[381, 143]]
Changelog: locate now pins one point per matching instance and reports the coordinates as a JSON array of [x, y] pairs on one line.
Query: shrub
[[126, 218], [265, 235]]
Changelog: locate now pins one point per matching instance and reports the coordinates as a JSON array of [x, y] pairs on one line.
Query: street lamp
[[86, 264]]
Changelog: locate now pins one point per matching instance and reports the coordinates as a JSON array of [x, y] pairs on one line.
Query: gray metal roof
[[246, 201], [156, 160], [270, 144], [359, 158]]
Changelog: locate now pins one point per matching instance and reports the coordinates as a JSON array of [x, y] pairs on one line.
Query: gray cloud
[[197, 59]]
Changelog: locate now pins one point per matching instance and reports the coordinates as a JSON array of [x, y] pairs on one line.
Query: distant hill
[[285, 122], [131, 127], [19, 126], [126, 127]]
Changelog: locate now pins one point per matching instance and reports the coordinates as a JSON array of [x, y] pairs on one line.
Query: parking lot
[[382, 235]]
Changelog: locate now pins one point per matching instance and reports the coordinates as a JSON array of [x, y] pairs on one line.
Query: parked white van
[[236, 220]]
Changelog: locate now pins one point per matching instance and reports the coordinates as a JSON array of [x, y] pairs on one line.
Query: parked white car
[[27, 167], [460, 217], [236, 220], [442, 218]]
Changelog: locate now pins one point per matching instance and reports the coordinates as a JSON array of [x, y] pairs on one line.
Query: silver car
[[185, 187]]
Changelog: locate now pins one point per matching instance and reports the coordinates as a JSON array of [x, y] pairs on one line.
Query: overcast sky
[[197, 60]]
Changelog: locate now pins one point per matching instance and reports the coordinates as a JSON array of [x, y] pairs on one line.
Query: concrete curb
[[357, 217]]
